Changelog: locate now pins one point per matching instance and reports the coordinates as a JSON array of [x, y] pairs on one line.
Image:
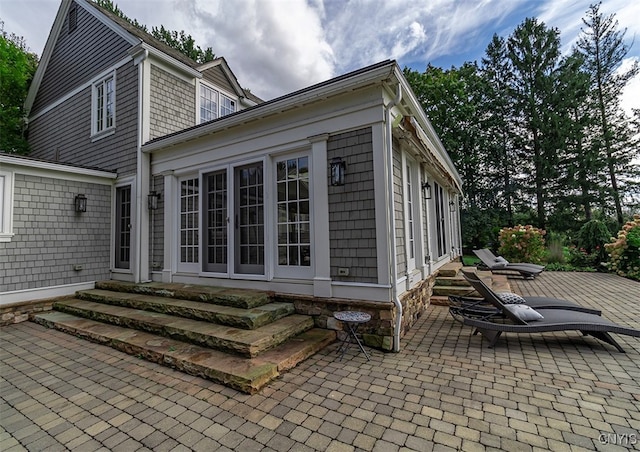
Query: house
[[339, 194]]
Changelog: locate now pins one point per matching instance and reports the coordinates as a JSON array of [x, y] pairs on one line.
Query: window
[[104, 105], [208, 104], [227, 106], [6, 204], [189, 218], [410, 226], [441, 237], [294, 236], [213, 104]]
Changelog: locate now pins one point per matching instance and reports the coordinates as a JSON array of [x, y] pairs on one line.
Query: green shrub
[[624, 251], [580, 258], [522, 244], [555, 252], [592, 237]]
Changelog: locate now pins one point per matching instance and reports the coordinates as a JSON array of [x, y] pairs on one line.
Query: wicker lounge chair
[[534, 302], [507, 319], [499, 265]]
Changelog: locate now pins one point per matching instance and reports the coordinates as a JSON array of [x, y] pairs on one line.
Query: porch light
[[452, 206], [338, 167], [81, 203], [426, 190], [152, 200]]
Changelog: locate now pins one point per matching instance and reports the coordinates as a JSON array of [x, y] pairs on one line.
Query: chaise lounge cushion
[[524, 312], [511, 298]]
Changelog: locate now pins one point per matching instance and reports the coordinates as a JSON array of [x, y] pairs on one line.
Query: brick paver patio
[[445, 391]]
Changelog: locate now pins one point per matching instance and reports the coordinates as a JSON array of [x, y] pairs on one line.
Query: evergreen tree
[[603, 47], [534, 51]]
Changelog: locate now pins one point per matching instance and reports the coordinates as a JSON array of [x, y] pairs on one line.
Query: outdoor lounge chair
[[499, 265], [507, 319], [534, 302]]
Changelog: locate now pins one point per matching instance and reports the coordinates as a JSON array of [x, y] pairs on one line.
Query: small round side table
[[353, 320]]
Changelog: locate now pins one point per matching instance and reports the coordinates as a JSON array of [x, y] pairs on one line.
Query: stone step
[[451, 281], [450, 270], [244, 374], [239, 298], [197, 310], [220, 337], [453, 290]]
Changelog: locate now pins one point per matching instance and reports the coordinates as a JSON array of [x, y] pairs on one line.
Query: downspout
[[392, 230]]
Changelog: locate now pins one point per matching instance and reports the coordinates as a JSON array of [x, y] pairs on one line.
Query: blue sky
[[278, 46]]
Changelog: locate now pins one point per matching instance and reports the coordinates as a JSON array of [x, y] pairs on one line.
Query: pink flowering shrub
[[624, 250], [522, 244]]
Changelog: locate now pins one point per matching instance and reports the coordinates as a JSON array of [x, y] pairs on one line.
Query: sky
[[275, 47]]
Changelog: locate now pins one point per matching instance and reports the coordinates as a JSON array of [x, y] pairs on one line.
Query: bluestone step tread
[[244, 374], [227, 315], [452, 290], [222, 337], [240, 298]]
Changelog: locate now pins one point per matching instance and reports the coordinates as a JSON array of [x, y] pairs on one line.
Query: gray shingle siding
[[50, 237], [401, 255], [173, 104], [78, 57], [352, 222], [216, 76], [64, 133], [156, 227]]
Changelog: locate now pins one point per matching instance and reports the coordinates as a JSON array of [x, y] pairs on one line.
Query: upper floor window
[[104, 105], [214, 104]]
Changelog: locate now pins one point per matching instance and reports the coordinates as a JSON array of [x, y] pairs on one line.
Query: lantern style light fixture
[[426, 190], [152, 200], [452, 206], [81, 203], [338, 167]]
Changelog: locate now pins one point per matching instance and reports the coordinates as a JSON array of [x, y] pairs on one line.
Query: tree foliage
[[17, 67], [181, 41], [538, 137]]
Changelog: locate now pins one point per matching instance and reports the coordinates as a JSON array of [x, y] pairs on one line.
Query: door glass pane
[[215, 258], [249, 228]]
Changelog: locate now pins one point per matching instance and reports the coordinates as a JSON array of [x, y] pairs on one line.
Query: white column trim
[[322, 259], [381, 197], [170, 228]]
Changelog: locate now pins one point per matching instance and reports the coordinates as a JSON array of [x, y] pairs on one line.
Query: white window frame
[[105, 128], [410, 181], [220, 98], [194, 265], [6, 206], [293, 271]]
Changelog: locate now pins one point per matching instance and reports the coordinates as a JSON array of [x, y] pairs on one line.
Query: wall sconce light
[[338, 167], [152, 200], [81, 203], [426, 190], [452, 206]]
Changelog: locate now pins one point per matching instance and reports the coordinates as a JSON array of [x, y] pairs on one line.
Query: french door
[[233, 221], [123, 227]]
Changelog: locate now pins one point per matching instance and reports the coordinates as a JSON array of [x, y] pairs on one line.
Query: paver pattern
[[444, 391]]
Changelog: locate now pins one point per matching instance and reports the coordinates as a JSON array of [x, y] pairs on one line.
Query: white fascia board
[[55, 170], [274, 107], [178, 66]]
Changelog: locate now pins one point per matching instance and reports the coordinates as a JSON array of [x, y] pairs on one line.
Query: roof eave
[[322, 90]]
